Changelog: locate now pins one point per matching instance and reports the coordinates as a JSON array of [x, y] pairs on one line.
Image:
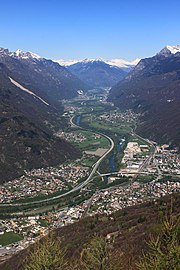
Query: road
[[147, 161], [121, 174], [94, 169], [72, 123], [78, 187], [90, 201]]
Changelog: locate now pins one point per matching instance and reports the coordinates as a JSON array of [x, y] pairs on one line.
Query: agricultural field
[[9, 238]]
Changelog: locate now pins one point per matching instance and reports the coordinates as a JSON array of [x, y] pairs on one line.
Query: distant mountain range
[[153, 88], [99, 72], [31, 89], [121, 63]]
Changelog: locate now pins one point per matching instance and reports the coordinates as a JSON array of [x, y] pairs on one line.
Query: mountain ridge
[[153, 88], [30, 111], [97, 73], [41, 75], [121, 63]]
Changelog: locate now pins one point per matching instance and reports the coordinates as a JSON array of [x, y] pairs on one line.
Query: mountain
[[25, 146], [97, 73], [44, 77], [153, 88], [66, 63], [121, 63], [30, 111]]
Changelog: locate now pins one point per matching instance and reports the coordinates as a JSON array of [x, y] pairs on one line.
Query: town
[[102, 202], [146, 171]]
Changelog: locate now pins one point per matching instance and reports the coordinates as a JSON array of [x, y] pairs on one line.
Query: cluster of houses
[[43, 181], [110, 200], [117, 117], [76, 137]]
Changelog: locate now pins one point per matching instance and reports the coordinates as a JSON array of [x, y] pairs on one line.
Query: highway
[[121, 174], [94, 169], [79, 186], [147, 161]]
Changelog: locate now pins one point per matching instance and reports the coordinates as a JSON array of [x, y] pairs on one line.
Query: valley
[[90, 135], [117, 169]]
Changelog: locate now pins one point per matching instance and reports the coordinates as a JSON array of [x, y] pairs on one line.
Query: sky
[[67, 29]]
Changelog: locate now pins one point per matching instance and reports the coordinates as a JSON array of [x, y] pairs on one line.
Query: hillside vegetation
[[145, 236]]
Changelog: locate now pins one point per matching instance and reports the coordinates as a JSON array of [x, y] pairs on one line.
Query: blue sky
[[91, 28]]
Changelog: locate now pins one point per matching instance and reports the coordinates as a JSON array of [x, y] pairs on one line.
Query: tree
[[94, 256], [46, 255], [164, 251]]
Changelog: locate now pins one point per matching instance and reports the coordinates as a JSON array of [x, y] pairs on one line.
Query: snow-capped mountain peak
[[19, 54], [66, 63], [168, 50], [74, 61], [124, 64], [88, 60], [25, 55], [4, 51], [173, 49]]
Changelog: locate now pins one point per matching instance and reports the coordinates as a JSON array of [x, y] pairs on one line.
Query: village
[[117, 117], [76, 137], [43, 182]]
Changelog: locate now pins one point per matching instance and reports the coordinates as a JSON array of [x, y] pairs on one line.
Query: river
[[112, 162], [78, 120]]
